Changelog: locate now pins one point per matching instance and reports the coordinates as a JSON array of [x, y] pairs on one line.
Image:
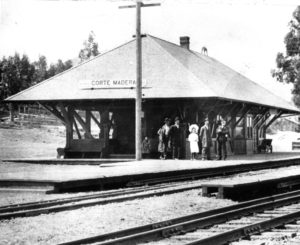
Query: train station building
[[99, 94]]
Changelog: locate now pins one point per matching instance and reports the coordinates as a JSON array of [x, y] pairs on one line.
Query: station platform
[[103, 174]]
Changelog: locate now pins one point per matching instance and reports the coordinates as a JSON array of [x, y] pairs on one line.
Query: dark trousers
[[175, 151], [206, 153], [222, 151], [166, 148]]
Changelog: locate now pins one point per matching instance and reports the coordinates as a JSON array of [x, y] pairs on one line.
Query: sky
[[245, 35]]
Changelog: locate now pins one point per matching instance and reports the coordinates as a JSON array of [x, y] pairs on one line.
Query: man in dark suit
[[175, 139], [205, 137], [222, 136]]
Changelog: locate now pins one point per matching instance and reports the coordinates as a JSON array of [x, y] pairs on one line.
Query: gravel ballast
[[84, 222]]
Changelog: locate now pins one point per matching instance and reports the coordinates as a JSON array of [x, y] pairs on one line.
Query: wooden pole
[[138, 99]]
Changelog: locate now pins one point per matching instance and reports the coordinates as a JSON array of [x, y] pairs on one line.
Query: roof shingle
[[170, 71]]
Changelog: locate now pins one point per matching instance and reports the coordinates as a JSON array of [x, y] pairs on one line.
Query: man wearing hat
[[165, 131], [175, 139], [205, 137], [222, 137]]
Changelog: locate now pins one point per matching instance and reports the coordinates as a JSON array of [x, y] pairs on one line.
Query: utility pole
[[138, 98]]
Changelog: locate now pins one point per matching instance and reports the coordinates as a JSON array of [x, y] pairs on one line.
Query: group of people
[[169, 140]]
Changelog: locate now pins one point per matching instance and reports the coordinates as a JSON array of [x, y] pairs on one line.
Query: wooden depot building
[[99, 94]]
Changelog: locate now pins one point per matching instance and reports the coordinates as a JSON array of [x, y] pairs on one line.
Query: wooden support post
[[233, 112], [71, 119], [55, 112], [83, 125], [264, 113], [262, 122], [244, 113], [11, 112], [69, 127], [213, 129], [95, 119], [77, 130], [273, 119], [88, 120]]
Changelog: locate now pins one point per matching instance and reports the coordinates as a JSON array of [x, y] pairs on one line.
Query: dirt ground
[[24, 142]]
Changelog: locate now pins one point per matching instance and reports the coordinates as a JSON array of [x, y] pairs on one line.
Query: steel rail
[[36, 208], [184, 224], [53, 202], [246, 231], [87, 203]]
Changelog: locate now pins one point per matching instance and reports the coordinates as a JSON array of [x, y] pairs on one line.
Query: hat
[[167, 119], [193, 126], [177, 119]]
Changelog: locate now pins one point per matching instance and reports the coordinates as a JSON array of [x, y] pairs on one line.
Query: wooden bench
[[295, 145], [83, 148], [248, 190], [265, 146]]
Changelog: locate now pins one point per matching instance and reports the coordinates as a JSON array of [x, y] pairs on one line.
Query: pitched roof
[[170, 71]]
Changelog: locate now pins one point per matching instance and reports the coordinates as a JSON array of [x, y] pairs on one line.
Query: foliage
[[59, 67], [90, 48], [40, 69], [288, 64], [18, 73]]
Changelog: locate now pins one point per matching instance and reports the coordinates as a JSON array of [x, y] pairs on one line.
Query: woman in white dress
[[193, 139]]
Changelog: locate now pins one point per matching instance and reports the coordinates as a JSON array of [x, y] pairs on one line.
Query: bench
[[265, 146], [83, 148]]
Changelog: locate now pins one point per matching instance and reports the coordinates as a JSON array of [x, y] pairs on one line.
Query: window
[[249, 126], [239, 129]]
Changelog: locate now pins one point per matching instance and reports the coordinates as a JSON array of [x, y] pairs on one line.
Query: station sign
[[109, 83]]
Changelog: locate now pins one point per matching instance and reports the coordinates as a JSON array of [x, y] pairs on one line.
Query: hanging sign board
[[109, 83]]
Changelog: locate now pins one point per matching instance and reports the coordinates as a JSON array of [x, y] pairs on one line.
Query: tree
[[90, 48], [16, 74], [41, 72], [59, 67], [288, 64]]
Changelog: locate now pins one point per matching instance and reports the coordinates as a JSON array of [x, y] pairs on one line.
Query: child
[[193, 139], [146, 147]]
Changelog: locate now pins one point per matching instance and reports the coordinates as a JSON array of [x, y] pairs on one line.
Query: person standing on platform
[[222, 137], [205, 137], [193, 139], [165, 131], [161, 148], [146, 147], [175, 139]]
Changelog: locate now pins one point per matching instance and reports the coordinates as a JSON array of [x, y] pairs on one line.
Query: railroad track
[[219, 226], [72, 203]]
